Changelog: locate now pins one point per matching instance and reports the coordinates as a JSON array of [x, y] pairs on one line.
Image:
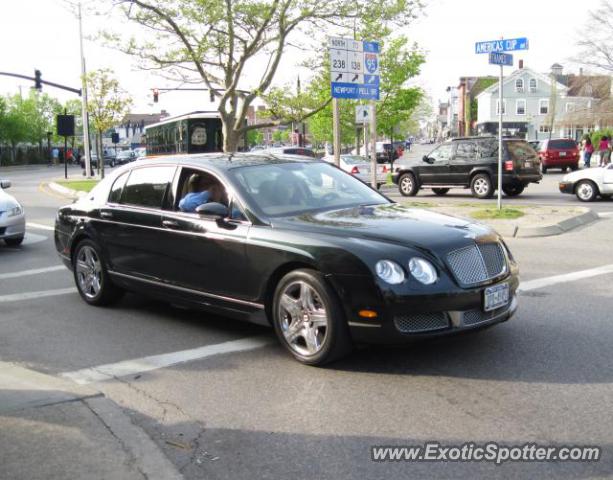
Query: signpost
[[496, 49], [354, 74]]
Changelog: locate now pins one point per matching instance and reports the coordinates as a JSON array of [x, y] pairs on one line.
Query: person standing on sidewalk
[[605, 153], [588, 150]]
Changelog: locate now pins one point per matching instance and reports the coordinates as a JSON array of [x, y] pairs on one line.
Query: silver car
[[359, 167], [12, 217]]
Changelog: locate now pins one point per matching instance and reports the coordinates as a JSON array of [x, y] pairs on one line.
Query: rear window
[[354, 159], [562, 144], [520, 150], [300, 151], [146, 187]]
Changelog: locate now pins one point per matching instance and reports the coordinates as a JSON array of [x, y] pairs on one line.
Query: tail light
[[508, 165], [355, 170]]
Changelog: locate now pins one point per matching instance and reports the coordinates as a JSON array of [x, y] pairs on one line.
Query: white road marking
[[155, 362], [40, 226], [18, 297], [34, 271], [565, 277]]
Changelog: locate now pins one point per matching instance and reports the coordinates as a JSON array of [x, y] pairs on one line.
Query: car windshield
[[296, 188], [562, 144]]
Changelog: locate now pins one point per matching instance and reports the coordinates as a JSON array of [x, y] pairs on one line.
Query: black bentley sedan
[[288, 242]]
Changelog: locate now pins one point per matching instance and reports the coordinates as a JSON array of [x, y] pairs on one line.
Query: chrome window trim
[[259, 306]]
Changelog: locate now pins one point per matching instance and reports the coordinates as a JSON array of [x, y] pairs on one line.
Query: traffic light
[[156, 94], [38, 85]]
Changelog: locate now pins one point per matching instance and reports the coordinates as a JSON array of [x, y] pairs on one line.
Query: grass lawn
[[494, 214], [80, 185]]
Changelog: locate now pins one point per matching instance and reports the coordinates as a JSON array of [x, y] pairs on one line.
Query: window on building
[[519, 85], [520, 107], [544, 129], [504, 107], [532, 85], [544, 106], [570, 107]]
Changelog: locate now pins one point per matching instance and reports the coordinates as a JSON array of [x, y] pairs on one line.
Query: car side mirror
[[5, 184], [213, 209], [427, 159]]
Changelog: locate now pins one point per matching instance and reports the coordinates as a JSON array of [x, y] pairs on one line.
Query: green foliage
[[280, 136], [255, 137], [598, 134], [107, 103], [495, 214]]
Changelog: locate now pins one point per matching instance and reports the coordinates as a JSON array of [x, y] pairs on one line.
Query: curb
[[65, 191], [42, 390], [558, 228]]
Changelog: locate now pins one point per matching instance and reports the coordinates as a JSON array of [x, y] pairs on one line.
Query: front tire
[[586, 191], [440, 191], [91, 277], [407, 185], [14, 242], [308, 318], [513, 190], [481, 186]]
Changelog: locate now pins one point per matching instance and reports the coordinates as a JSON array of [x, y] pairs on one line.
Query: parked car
[[140, 152], [471, 162], [386, 152], [93, 161], [125, 156], [296, 244], [359, 167], [589, 183], [562, 153], [12, 217]]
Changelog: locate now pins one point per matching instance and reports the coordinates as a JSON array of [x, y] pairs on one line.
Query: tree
[[14, 125], [596, 42], [255, 137], [217, 42], [107, 105]]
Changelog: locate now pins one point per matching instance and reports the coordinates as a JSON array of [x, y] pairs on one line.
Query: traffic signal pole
[[84, 116]]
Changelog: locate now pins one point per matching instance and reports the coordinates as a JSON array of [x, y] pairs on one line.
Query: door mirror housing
[[213, 210], [427, 159], [5, 184]]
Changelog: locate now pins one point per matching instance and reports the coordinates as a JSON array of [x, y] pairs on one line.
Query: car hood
[[7, 201], [395, 223], [591, 173]]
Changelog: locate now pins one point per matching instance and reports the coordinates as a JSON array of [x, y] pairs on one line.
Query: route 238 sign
[[371, 63]]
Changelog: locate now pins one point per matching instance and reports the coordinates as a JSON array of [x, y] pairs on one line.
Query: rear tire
[[481, 186], [308, 318], [574, 168], [440, 191], [513, 190], [91, 277], [407, 185], [586, 191], [14, 242]]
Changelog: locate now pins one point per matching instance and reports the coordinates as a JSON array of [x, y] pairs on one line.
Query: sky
[[43, 34]]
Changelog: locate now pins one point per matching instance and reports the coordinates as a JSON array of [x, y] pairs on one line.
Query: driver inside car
[[198, 194]]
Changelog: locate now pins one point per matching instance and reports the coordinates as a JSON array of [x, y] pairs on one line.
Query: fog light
[[367, 314]]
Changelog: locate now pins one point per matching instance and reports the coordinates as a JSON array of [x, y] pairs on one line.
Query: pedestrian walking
[[588, 150], [55, 153], [604, 150]]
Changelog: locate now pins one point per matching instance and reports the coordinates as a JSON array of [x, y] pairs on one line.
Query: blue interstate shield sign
[[371, 62]]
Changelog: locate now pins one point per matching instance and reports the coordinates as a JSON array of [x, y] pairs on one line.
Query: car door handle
[[106, 214], [170, 223]]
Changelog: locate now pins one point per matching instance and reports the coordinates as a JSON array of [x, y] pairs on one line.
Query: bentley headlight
[[389, 272], [423, 270], [15, 210]]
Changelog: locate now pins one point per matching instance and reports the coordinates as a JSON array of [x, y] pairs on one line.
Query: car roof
[[226, 161]]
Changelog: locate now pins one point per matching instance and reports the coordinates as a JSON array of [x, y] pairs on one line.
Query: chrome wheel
[[481, 186], [303, 318], [407, 184], [585, 191], [89, 272]]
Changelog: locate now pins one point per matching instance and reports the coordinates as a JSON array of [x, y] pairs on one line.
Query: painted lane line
[[40, 226], [18, 297], [564, 278], [34, 271], [155, 362]]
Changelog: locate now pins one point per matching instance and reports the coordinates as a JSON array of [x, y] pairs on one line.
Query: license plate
[[496, 297], [562, 154], [527, 164]]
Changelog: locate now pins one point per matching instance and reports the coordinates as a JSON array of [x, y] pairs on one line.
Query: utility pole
[[500, 111], [336, 132], [84, 116], [373, 144]]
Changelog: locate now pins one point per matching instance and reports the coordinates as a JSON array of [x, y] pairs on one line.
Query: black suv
[[472, 162]]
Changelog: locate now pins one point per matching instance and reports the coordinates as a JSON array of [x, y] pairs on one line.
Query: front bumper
[[566, 187], [13, 227], [404, 318]]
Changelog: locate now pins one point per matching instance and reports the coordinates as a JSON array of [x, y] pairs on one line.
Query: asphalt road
[[546, 376]]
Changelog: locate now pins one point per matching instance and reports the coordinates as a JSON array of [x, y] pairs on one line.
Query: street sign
[[362, 114], [505, 45], [505, 59], [354, 69]]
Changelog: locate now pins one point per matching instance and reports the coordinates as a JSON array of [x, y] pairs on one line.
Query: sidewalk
[[51, 428]]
